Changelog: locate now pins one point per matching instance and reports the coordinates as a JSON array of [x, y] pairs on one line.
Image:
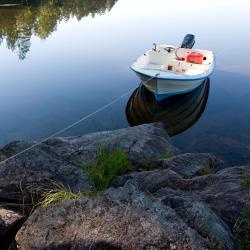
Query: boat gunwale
[[177, 77]]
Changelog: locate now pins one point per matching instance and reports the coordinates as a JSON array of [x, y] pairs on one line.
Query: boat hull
[[163, 88], [166, 70]]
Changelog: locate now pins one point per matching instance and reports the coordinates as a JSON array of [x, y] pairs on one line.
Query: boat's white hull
[[169, 87]]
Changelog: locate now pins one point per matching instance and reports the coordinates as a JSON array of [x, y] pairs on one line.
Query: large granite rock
[[60, 160], [145, 210], [123, 218], [144, 142]]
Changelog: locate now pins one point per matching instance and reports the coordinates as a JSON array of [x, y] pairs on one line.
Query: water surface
[[61, 60]]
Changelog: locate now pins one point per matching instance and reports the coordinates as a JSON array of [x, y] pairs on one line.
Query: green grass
[[244, 236], [102, 173], [209, 169], [168, 155], [58, 195], [106, 168], [246, 181]]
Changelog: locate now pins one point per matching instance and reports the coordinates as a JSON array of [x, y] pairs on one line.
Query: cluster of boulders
[[172, 206]]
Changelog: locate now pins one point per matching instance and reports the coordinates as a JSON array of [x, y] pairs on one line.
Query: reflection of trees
[[17, 24]]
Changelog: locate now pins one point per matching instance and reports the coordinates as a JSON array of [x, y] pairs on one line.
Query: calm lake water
[[61, 60]]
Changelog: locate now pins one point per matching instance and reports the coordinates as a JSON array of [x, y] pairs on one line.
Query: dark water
[[61, 60]]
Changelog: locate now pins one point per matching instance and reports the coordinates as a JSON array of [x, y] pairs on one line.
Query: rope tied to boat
[[74, 123]]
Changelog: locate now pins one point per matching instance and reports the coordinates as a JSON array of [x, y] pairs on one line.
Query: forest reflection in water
[[177, 113], [40, 18]]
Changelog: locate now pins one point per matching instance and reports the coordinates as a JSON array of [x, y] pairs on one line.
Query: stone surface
[[222, 191], [209, 204], [147, 210], [148, 141], [61, 160], [10, 222], [170, 207], [189, 165], [23, 179], [123, 218]]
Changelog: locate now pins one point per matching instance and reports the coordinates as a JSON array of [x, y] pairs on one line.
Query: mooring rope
[[74, 124]]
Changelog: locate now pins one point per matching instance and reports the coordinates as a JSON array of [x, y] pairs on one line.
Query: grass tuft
[[58, 195], [102, 173], [168, 155], [207, 170], [107, 167], [246, 181]]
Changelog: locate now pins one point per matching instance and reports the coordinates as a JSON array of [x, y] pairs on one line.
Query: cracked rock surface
[[156, 209], [174, 206], [61, 160]]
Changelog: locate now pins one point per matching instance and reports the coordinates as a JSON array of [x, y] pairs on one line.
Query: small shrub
[[246, 181], [58, 195], [209, 169], [106, 168], [168, 155], [244, 236]]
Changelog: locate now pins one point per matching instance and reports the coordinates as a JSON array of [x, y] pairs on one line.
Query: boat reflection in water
[[177, 113]]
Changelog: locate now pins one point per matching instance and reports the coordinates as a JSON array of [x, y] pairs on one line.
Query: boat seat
[[177, 67], [154, 66]]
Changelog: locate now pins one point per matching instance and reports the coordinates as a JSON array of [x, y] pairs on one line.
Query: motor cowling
[[188, 41]]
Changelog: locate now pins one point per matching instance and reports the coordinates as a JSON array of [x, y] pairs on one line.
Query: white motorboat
[[168, 70]]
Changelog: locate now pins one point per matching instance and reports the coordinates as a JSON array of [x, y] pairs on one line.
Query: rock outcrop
[[124, 218], [60, 160], [146, 210], [174, 206]]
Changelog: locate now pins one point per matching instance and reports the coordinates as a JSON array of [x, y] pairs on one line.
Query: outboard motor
[[188, 41]]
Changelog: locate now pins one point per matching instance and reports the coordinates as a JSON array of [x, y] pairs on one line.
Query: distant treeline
[[40, 17]]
